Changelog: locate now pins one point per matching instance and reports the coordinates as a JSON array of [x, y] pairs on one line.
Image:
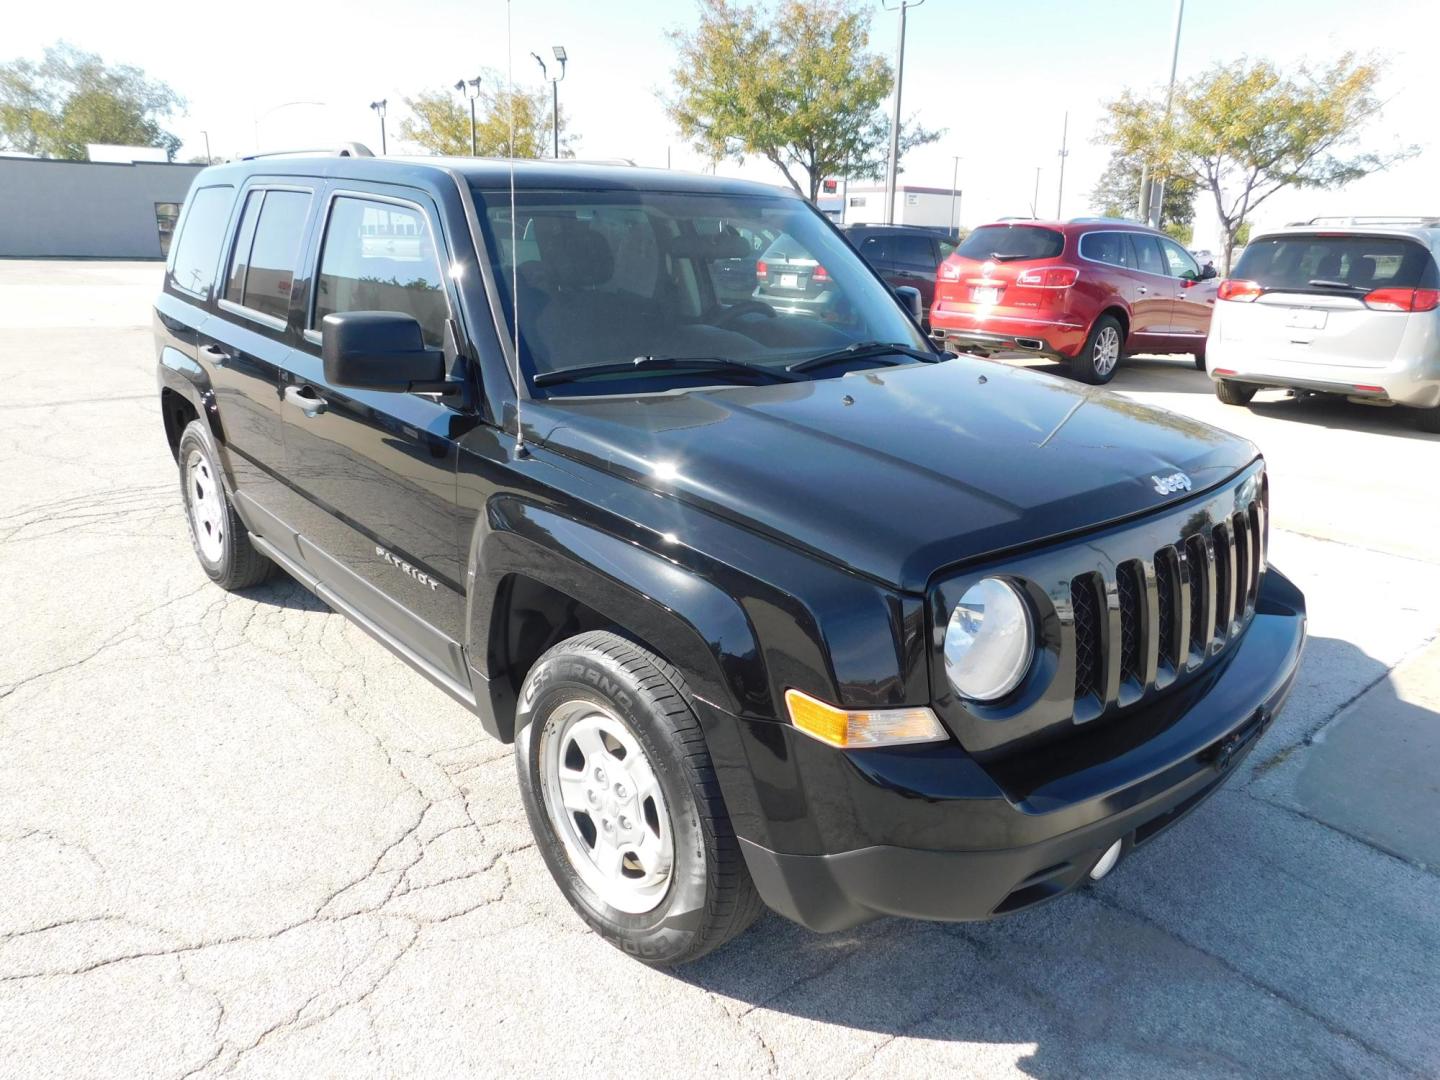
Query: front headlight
[[989, 641]]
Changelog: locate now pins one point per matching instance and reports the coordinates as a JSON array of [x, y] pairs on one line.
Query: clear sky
[[999, 75]]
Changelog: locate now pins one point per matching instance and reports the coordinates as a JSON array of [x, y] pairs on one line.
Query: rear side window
[[1313, 263], [195, 256], [876, 249], [267, 251], [380, 256], [1148, 257], [1107, 247], [1012, 242]]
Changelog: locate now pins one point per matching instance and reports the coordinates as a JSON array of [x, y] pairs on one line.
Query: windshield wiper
[[708, 364], [1322, 283], [863, 350]]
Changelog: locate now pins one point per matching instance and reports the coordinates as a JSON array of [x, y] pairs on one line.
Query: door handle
[[1141, 289], [304, 399]]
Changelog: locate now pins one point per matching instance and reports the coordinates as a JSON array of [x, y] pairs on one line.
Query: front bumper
[[833, 839]]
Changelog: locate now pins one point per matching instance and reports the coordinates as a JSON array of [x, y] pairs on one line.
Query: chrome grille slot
[[1089, 641], [1132, 622], [1202, 594], [1224, 604], [1167, 609], [1240, 529]]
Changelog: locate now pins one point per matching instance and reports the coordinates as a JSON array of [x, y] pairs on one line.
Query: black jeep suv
[[775, 608]]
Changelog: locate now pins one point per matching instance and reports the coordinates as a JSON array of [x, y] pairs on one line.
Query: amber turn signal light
[[852, 729]]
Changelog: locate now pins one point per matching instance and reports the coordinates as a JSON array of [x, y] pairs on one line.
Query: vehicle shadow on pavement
[[1252, 938], [283, 591], [1160, 374], [1334, 412]]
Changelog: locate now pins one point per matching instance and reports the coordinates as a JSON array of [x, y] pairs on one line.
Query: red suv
[[1086, 291]]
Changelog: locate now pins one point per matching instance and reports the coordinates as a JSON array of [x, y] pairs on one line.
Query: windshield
[[602, 279], [1011, 242], [1327, 264]]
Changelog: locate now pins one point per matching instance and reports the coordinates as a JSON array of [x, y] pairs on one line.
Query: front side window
[[914, 251], [876, 249], [267, 251], [1179, 262], [604, 278], [196, 255], [380, 256]]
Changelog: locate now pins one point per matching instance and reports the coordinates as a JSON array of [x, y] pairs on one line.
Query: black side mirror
[[1208, 271], [381, 350], [910, 297]]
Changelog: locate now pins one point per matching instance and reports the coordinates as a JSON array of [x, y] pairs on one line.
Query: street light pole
[[954, 190], [1157, 201], [471, 89], [559, 51], [892, 170], [379, 107], [1064, 153], [1035, 202], [208, 159]]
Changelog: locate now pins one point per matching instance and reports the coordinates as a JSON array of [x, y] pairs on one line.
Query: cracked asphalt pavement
[[237, 837]]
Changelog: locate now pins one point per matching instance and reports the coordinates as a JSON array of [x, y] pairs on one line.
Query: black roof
[[493, 173]]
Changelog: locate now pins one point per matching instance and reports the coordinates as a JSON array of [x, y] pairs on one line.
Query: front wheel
[[1100, 355], [1233, 393], [624, 803]]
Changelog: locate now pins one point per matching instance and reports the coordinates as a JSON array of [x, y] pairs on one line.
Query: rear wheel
[[1233, 393], [1428, 419], [624, 803], [217, 534], [1100, 355]]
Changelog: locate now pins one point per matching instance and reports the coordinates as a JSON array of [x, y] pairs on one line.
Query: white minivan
[[1349, 308]]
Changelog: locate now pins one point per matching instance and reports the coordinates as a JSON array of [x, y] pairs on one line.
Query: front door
[[1152, 296], [1194, 298], [376, 470], [915, 263]]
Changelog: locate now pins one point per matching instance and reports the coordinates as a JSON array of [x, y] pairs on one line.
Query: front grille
[[1203, 595]]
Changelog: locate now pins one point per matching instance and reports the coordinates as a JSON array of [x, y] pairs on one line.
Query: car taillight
[[1049, 277], [821, 274], [949, 271], [1239, 289], [1403, 299], [760, 268]]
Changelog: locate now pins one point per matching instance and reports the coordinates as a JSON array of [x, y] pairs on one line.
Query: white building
[[914, 205]]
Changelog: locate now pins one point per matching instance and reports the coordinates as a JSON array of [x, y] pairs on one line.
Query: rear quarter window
[[195, 255], [1012, 242]]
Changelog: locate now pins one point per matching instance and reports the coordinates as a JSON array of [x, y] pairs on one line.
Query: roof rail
[[1102, 219], [1372, 219], [349, 149], [1018, 217]]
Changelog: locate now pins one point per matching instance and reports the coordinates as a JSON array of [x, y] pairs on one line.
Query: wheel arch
[[186, 394]]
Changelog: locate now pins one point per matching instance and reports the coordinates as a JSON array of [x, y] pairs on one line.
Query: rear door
[[915, 261], [1338, 299], [377, 471], [1152, 298], [250, 346]]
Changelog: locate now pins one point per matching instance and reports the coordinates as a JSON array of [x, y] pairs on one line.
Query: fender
[[177, 368], [694, 623]]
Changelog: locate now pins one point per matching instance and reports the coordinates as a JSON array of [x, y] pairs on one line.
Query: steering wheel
[[745, 307]]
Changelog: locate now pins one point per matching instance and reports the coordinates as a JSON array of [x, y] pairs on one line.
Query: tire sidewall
[[1085, 362], [667, 931], [191, 439]]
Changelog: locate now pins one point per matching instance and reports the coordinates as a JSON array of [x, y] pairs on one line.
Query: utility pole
[[379, 107], [1035, 202], [1157, 200], [954, 190], [208, 159], [892, 170], [1064, 153]]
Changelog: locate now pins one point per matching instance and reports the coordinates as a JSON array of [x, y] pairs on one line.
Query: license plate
[[789, 281], [985, 294], [1307, 319]]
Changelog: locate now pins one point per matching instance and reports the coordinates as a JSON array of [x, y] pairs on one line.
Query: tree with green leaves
[[440, 122], [71, 98], [1243, 131], [793, 84], [1117, 193]]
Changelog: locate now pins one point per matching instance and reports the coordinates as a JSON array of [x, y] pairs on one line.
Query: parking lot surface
[[238, 837]]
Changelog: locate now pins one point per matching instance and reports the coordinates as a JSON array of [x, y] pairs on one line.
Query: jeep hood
[[899, 472]]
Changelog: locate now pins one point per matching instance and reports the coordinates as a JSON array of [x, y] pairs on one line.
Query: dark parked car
[[775, 609], [903, 255]]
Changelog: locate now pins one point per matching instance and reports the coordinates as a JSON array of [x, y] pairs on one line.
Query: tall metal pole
[[208, 159], [555, 112], [892, 170], [954, 190], [474, 146], [1157, 200], [1064, 153], [1035, 202]]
